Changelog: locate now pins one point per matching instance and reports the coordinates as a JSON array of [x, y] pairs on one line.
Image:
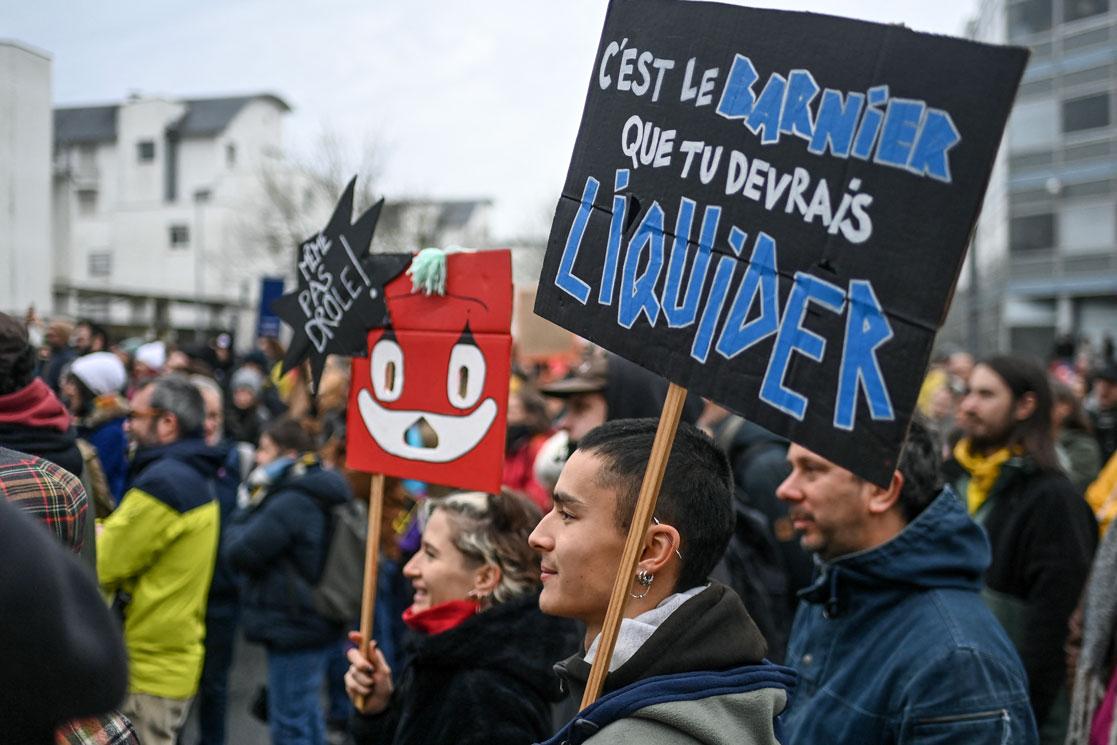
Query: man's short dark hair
[[96, 331], [921, 467], [288, 434], [696, 496], [17, 356], [177, 395]]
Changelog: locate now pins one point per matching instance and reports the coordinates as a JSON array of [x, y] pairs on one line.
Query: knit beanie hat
[[248, 377], [152, 354], [101, 372]]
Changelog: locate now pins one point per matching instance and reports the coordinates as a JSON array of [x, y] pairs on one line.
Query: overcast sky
[[458, 96]]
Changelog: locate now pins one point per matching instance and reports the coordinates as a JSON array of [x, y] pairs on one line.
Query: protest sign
[[771, 209], [430, 401], [340, 292], [271, 289]]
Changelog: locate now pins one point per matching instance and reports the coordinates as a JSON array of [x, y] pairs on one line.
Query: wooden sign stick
[[372, 561], [641, 519]]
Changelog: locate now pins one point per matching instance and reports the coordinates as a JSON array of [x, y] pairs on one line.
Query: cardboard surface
[[441, 368], [340, 292], [771, 209], [537, 338]]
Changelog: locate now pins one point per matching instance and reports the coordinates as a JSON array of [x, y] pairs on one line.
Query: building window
[[1075, 9], [87, 202], [87, 156], [1089, 112], [145, 151], [1028, 17], [1087, 228], [180, 236], [230, 155], [1034, 125], [100, 263], [1031, 232]]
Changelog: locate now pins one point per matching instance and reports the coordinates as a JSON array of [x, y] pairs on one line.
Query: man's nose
[[537, 539], [785, 491]]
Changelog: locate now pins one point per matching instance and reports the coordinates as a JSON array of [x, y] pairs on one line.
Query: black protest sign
[[340, 293], [771, 209]]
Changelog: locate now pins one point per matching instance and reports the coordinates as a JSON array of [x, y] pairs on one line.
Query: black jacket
[[60, 448], [633, 392], [488, 680], [710, 631], [278, 548], [61, 646], [1043, 535]]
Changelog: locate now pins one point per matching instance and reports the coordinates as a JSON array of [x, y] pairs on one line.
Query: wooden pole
[[641, 519], [372, 560]]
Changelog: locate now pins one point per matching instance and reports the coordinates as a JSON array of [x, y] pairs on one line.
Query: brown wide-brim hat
[[1108, 372], [592, 376]]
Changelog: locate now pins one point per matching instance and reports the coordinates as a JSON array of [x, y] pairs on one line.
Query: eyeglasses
[[145, 413], [657, 522]]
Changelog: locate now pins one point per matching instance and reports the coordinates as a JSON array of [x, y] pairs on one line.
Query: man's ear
[[660, 545], [167, 427], [1025, 406], [882, 500], [486, 579]]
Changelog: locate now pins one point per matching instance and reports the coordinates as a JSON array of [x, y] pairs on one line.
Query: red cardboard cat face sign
[[444, 363]]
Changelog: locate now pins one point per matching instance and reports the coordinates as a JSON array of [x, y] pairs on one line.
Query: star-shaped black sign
[[340, 293]]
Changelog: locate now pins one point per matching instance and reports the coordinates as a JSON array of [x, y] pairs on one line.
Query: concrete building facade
[[149, 198], [1046, 244]]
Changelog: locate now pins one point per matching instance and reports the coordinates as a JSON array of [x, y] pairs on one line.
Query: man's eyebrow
[[564, 498]]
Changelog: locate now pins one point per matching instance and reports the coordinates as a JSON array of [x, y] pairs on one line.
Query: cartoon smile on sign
[[454, 434], [430, 400]]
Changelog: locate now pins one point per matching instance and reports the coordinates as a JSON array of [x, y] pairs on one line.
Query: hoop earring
[[644, 580]]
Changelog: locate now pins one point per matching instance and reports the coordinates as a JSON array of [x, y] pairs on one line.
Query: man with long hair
[[1041, 530]]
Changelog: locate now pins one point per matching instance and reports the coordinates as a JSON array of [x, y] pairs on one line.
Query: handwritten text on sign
[[771, 209]]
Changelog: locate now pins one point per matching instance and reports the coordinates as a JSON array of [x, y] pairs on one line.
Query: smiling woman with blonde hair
[[481, 652]]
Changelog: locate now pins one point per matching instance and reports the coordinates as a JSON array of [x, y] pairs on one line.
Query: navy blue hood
[[179, 474], [325, 486], [193, 452], [940, 549]]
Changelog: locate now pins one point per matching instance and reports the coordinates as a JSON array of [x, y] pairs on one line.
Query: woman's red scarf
[[441, 617]]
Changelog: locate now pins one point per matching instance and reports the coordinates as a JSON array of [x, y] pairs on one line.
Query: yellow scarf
[[983, 470]]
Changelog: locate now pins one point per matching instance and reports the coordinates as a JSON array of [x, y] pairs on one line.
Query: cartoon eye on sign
[[430, 400]]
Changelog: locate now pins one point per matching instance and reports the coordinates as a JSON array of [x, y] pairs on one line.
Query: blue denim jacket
[[894, 645]]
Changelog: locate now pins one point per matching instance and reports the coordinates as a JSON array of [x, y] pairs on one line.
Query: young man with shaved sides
[[688, 665]]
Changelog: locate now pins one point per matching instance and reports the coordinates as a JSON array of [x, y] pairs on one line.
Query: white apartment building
[[150, 203], [25, 255]]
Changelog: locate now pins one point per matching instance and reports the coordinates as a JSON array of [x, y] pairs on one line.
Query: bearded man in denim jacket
[[892, 641]]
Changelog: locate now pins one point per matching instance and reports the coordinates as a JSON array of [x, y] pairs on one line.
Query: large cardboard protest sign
[[430, 401], [771, 209]]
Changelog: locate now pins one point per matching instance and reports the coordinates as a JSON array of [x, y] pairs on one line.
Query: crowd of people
[[778, 597]]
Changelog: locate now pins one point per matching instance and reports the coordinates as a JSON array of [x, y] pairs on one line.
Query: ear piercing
[[644, 580]]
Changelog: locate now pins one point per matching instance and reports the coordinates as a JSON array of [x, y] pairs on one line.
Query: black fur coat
[[488, 680]]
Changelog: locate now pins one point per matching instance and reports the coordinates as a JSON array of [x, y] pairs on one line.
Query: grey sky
[[465, 99]]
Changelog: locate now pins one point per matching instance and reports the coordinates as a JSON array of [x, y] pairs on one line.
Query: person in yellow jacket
[[1102, 495], [156, 553]]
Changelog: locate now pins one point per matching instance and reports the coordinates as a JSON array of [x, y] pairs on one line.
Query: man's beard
[[992, 441]]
